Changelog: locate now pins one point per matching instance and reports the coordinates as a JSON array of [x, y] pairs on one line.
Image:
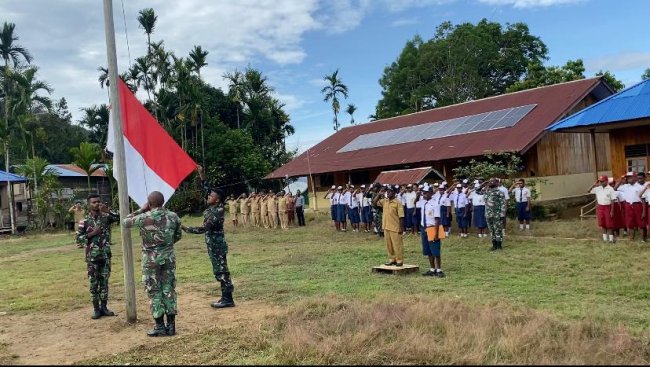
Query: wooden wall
[[568, 153], [619, 138]]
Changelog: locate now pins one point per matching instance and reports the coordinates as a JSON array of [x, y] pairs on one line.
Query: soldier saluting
[[94, 233], [213, 218], [160, 229], [495, 208]]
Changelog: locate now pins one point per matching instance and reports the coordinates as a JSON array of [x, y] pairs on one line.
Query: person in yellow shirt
[[244, 208], [264, 211], [392, 223], [272, 206], [232, 210], [283, 210], [255, 209]]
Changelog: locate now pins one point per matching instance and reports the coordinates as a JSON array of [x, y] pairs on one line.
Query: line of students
[[270, 210], [622, 205], [465, 202]]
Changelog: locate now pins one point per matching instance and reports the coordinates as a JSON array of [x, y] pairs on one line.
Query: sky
[[297, 42]]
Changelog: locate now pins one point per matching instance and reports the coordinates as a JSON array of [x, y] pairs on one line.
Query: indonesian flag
[[154, 162]]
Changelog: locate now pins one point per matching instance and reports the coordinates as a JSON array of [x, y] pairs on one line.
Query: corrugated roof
[[403, 176], [630, 104], [6, 176], [553, 102], [71, 170]]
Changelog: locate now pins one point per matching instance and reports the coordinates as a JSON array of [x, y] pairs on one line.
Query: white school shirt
[[459, 199], [409, 197], [336, 199], [330, 197], [604, 195], [420, 203], [504, 191], [646, 195], [431, 210], [354, 202], [477, 199], [521, 194], [361, 199], [443, 200], [631, 192], [345, 198]]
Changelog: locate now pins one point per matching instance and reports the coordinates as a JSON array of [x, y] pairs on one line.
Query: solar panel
[[504, 118]]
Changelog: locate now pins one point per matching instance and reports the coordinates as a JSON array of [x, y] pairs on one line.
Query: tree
[[198, 57], [332, 91], [646, 74], [95, 119], [537, 75], [460, 63], [86, 157], [611, 80], [147, 19], [350, 111]]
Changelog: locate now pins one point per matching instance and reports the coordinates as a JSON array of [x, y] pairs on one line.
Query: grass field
[[554, 295]]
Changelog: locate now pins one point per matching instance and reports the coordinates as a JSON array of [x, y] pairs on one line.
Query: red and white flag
[[154, 161]]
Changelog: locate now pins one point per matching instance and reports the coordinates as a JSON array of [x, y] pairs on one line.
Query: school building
[[429, 144], [625, 119]]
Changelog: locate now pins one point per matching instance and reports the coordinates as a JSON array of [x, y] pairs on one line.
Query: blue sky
[[296, 42]]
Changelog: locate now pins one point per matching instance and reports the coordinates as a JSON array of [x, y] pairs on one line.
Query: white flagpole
[[119, 161]]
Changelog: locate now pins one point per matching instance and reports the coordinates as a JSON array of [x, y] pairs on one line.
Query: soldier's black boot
[[171, 325], [105, 311], [159, 329], [225, 301], [97, 312], [494, 245], [499, 245]]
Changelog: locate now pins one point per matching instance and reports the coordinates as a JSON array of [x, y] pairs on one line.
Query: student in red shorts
[[619, 214], [605, 199]]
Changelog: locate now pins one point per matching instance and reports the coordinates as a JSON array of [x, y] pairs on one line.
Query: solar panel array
[[461, 125]]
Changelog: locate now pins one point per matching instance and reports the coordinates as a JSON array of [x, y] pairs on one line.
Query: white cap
[[465, 181], [444, 183], [333, 186], [476, 185], [340, 187], [476, 181], [436, 184], [629, 173], [422, 186], [363, 186], [409, 185], [352, 186], [459, 185]]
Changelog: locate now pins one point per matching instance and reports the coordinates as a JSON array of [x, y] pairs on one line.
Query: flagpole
[[120, 163]]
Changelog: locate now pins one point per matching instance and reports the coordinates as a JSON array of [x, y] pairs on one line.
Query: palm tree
[[147, 20], [86, 157], [198, 57], [235, 88], [14, 52], [142, 69], [332, 91], [350, 110]]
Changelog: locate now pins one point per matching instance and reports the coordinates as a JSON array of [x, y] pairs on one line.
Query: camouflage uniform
[[213, 218], [379, 211], [494, 209], [160, 229], [98, 252]]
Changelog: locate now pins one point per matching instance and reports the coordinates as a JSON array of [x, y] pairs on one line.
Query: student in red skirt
[[619, 213], [645, 196], [633, 207], [605, 199]]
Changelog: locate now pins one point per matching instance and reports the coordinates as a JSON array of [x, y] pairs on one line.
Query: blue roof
[[629, 104], [5, 176]]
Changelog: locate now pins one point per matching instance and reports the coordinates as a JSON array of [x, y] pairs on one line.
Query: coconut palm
[[332, 91], [86, 157], [350, 110]]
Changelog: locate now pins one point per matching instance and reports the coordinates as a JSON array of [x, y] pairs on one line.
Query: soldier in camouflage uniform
[[495, 207], [160, 229], [379, 211], [213, 218], [94, 234]]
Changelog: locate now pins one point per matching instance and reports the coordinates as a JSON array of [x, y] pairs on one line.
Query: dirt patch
[[70, 337]]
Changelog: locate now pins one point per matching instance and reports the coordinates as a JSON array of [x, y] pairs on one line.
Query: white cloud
[[404, 22], [319, 82], [619, 62], [530, 3], [291, 103]]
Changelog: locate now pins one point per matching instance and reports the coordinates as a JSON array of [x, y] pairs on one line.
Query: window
[[636, 157], [326, 180], [360, 178], [637, 164]]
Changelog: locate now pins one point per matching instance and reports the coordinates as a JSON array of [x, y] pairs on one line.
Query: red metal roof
[[553, 102], [403, 176]]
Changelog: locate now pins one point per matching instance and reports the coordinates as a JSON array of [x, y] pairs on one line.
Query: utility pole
[[120, 163]]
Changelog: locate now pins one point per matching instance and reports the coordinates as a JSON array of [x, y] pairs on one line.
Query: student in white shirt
[[340, 209], [430, 217], [366, 218], [353, 208], [408, 198], [633, 206], [605, 201], [478, 208], [522, 200], [645, 197], [445, 208], [505, 192], [330, 197], [459, 200]]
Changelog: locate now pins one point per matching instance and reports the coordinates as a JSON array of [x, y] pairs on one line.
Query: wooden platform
[[392, 269]]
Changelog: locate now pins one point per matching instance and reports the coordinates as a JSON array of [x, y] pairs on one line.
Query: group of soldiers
[[159, 229], [267, 210], [622, 205]]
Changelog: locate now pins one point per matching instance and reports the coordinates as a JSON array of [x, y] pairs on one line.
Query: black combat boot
[[159, 329], [105, 311], [171, 325], [225, 301], [499, 245], [494, 245], [97, 313]]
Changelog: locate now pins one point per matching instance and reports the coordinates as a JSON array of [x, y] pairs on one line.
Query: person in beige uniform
[[264, 211], [244, 208], [78, 213], [392, 223], [255, 210], [272, 206], [283, 210], [232, 210]]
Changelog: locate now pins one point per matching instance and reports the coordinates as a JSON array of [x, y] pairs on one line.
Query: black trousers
[[301, 215]]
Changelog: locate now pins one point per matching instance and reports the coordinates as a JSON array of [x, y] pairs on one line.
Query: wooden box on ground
[[392, 269]]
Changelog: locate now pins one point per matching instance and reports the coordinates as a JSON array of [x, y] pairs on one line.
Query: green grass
[[573, 279]]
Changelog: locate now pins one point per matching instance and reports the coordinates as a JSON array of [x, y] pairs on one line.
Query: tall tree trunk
[[6, 146]]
